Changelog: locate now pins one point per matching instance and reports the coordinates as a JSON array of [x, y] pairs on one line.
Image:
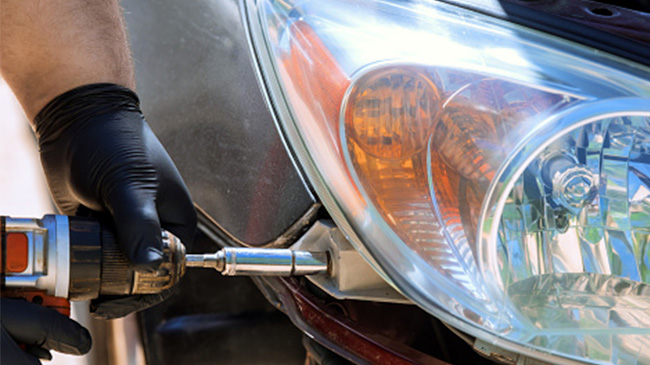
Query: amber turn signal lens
[[391, 113]]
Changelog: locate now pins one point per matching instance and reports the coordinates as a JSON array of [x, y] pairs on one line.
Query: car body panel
[[199, 92], [613, 16]]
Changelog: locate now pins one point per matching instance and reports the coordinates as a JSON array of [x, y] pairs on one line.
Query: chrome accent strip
[[61, 250]]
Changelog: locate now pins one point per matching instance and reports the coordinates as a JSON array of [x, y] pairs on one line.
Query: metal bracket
[[350, 276]]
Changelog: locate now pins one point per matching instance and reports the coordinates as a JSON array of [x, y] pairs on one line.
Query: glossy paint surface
[[200, 95]]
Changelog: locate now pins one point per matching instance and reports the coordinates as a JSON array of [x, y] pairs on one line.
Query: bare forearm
[[49, 47]]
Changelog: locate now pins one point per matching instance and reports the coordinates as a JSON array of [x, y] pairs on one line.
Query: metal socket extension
[[240, 261]]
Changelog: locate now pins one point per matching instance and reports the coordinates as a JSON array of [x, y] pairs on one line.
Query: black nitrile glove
[[99, 155], [40, 329]]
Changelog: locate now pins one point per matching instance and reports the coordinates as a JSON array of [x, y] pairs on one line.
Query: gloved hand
[[99, 155], [40, 329]]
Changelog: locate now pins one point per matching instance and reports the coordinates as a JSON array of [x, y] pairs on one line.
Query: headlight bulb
[[574, 186], [570, 184]]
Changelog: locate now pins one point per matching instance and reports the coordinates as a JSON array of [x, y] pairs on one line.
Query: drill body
[[59, 258]]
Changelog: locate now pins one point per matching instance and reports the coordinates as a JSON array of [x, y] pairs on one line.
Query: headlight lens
[[564, 232], [499, 177]]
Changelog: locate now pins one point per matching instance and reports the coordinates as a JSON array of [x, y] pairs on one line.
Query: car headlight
[[498, 176]]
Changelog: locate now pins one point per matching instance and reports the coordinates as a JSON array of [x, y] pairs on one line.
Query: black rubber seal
[[563, 28]]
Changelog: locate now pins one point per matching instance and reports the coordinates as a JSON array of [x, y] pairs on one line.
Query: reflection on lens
[[574, 237]]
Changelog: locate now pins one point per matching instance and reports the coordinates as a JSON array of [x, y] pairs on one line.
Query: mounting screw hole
[[603, 12]]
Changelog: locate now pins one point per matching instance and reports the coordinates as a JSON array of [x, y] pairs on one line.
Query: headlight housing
[[499, 177]]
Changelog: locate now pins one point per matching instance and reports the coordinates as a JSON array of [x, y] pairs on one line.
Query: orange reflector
[[391, 113], [466, 139], [17, 252], [390, 116]]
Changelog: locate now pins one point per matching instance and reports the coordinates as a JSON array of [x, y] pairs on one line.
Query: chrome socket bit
[[240, 261]]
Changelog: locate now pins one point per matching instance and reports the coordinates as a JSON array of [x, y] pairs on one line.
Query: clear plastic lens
[[573, 241], [608, 232], [439, 141], [544, 234]]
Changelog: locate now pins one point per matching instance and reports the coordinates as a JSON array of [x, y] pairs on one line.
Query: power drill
[[58, 258]]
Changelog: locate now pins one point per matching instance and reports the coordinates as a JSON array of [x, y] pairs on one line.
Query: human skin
[[48, 47]]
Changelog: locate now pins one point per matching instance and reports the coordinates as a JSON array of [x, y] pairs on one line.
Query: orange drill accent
[[17, 251], [60, 305]]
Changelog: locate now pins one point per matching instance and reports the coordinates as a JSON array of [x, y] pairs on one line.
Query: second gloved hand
[[100, 155], [38, 329]]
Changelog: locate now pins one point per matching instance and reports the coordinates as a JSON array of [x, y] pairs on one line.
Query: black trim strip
[[576, 32]]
